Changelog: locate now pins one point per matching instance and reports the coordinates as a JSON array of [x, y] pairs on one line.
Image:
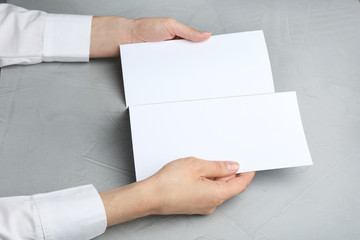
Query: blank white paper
[[260, 132], [178, 70]]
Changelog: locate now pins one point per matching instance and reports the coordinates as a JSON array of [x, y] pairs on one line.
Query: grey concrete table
[[65, 124]]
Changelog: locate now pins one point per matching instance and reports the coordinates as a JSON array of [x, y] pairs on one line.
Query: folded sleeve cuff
[[75, 213], [67, 38]]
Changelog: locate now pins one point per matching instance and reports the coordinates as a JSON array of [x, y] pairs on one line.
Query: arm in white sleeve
[[28, 36], [75, 213]]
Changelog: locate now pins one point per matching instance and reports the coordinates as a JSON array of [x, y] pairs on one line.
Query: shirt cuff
[[67, 38], [75, 213]]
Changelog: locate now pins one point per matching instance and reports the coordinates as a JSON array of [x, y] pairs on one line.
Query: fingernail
[[232, 165], [206, 33]]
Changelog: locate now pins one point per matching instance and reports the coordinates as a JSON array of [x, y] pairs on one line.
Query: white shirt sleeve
[[28, 37], [75, 213]]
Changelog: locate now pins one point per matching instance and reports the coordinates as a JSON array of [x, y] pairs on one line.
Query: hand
[[184, 186], [108, 32], [195, 186]]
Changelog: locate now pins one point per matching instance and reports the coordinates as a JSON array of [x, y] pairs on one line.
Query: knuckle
[[169, 20], [217, 202], [243, 189], [190, 160], [219, 167], [209, 211], [217, 198]]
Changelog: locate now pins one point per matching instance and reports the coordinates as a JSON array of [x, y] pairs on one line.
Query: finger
[[225, 179], [238, 184], [186, 32], [218, 168]]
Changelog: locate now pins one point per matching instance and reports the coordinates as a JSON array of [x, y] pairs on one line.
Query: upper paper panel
[[226, 65]]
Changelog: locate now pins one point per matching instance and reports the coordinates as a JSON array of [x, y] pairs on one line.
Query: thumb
[[219, 168], [186, 32]]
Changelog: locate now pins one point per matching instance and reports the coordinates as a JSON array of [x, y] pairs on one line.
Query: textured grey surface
[[63, 125]]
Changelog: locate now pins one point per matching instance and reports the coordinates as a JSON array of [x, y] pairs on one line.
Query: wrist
[[107, 33], [153, 195], [145, 197], [129, 202]]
